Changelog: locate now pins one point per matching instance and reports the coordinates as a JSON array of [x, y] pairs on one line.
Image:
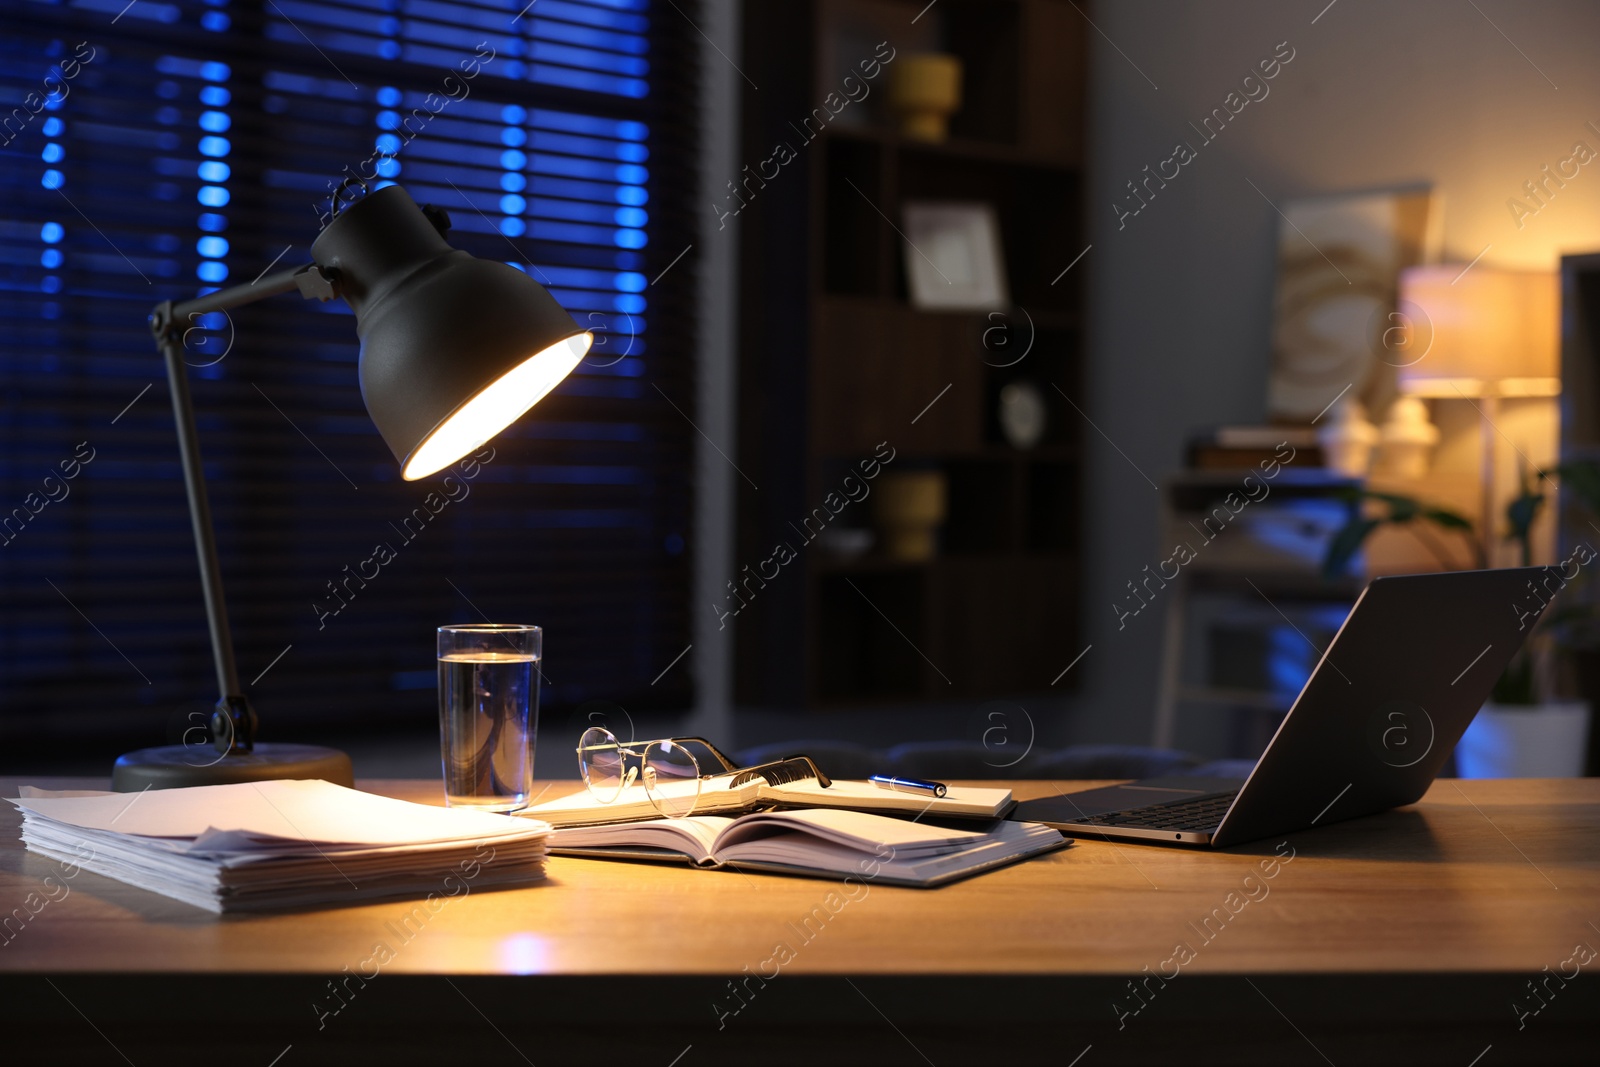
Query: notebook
[[719, 797], [819, 842], [259, 846]]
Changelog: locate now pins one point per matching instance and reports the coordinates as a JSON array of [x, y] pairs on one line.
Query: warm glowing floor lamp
[[1482, 335]]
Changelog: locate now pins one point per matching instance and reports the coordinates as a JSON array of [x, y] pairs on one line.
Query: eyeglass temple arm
[[727, 764], [822, 779], [760, 769]]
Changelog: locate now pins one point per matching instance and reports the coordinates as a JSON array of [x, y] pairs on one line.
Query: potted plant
[[1433, 527], [1524, 730]]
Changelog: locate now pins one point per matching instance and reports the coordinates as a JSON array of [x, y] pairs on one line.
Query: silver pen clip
[[909, 785]]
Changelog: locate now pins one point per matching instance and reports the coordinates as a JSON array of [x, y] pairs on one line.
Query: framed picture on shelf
[[953, 259]]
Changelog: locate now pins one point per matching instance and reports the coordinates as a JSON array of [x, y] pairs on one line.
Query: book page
[[860, 830], [1009, 840], [633, 804], [694, 836], [926, 862]]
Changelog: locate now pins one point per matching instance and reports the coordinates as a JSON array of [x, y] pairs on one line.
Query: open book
[[822, 843], [719, 798]]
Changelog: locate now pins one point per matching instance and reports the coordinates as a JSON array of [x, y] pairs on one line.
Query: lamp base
[[171, 766]]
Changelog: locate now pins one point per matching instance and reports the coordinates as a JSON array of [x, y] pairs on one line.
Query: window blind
[[161, 150]]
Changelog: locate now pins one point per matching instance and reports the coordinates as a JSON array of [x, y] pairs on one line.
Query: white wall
[[1379, 93]]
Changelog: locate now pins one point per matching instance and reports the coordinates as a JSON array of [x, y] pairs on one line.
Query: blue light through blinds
[[596, 46], [196, 148]]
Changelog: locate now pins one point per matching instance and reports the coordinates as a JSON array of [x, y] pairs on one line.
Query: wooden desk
[[1406, 938]]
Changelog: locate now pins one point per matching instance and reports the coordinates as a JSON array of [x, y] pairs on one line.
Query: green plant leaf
[[1581, 478], [1403, 508], [1394, 500], [1522, 512], [1515, 685], [1345, 544], [1450, 520]]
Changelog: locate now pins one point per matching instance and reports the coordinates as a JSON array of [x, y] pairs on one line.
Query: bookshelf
[[835, 360]]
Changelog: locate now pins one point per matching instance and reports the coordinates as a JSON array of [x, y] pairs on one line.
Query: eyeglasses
[[667, 768], [669, 771]]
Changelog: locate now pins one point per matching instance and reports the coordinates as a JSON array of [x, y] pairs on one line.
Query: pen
[[908, 785]]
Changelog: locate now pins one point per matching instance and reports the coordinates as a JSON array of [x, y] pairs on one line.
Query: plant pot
[[1537, 741]]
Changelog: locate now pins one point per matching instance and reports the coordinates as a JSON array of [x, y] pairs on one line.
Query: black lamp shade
[[453, 348]]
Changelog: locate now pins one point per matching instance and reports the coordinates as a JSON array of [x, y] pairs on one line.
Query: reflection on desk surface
[[1462, 882]]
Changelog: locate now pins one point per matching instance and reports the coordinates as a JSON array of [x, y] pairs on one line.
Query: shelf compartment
[[1040, 231], [878, 370], [1051, 507], [1050, 363], [862, 626], [986, 36], [855, 244], [983, 511]]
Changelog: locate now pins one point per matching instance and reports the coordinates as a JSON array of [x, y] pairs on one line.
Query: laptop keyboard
[[1195, 815]]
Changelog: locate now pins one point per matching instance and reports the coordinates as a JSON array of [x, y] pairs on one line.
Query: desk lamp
[[453, 350]]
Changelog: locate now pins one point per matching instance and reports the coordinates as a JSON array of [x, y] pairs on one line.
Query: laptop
[[1404, 676]]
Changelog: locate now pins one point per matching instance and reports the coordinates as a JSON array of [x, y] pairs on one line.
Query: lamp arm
[[314, 283], [233, 722]]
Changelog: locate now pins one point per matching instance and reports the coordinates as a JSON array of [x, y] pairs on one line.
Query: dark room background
[[168, 149]]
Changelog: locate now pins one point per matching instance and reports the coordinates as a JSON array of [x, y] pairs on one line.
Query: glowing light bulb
[[496, 406]]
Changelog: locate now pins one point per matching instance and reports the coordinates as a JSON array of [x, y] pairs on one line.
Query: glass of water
[[488, 713]]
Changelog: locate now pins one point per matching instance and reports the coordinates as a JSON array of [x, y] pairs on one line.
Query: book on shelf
[[720, 797], [260, 846], [830, 843], [1244, 447], [1268, 437]]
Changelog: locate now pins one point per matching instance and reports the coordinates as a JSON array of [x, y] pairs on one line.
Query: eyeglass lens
[[671, 778], [601, 761]]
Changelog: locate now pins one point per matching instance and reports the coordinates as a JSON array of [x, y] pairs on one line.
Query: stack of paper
[[257, 846]]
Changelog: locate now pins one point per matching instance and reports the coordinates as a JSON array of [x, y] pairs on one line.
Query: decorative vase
[[924, 90], [1407, 439], [1526, 741], [908, 507], [1347, 439]]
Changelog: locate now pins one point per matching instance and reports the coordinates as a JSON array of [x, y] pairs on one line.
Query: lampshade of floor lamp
[[1480, 335]]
